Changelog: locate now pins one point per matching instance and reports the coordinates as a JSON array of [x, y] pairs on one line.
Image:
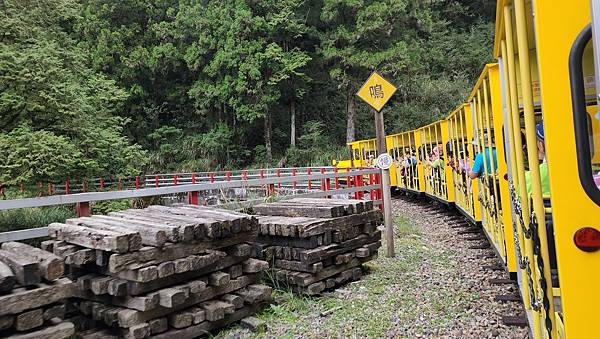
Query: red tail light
[[587, 239]]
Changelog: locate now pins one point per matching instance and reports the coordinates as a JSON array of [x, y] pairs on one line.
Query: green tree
[[364, 36], [47, 84]]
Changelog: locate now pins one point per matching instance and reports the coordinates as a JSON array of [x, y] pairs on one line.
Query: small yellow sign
[[376, 91]]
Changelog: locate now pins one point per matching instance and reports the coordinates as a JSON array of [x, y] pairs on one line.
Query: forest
[[118, 88]]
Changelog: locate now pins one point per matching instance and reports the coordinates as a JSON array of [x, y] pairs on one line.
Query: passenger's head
[[541, 145]]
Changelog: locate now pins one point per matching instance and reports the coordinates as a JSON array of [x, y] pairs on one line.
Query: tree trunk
[[293, 123], [350, 130], [268, 136]]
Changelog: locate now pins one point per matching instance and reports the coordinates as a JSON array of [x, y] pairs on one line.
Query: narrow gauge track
[[495, 310]]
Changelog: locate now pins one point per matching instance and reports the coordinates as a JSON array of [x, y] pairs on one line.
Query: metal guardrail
[[324, 190], [162, 179]]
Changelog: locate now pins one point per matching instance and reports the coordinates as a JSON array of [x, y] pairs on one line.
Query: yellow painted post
[[481, 145], [538, 203], [496, 218], [420, 155], [389, 142], [458, 182], [449, 185], [504, 196], [521, 171], [466, 162], [470, 125], [405, 169]]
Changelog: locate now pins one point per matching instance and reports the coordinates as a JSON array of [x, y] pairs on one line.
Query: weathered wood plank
[[159, 325], [305, 279], [136, 288], [29, 320], [147, 234], [323, 252], [128, 317], [149, 256], [134, 238], [208, 225], [81, 257], [23, 299], [6, 321], [176, 232], [56, 311], [205, 327], [51, 266], [25, 269], [59, 331], [298, 266], [7, 278], [90, 238], [297, 210]]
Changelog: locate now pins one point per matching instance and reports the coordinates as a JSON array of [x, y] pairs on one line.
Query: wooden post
[[193, 198], [83, 209], [385, 185]]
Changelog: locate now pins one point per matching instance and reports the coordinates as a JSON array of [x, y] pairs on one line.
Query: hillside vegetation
[[117, 88]]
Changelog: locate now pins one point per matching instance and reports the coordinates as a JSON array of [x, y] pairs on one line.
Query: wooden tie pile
[[318, 244], [33, 293], [162, 272]]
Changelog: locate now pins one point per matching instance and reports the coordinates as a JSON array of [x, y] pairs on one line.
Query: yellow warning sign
[[376, 91]]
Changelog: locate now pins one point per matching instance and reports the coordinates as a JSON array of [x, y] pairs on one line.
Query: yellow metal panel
[[506, 217], [419, 146], [470, 128], [449, 185], [571, 207], [523, 43], [517, 161], [389, 141]]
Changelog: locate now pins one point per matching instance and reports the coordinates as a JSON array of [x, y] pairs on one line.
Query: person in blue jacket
[[478, 166]]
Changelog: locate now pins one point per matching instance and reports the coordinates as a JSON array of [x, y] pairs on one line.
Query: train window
[[593, 128], [585, 112]]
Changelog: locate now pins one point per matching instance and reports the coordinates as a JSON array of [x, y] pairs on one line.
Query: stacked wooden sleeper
[[33, 293], [162, 271], [317, 244]]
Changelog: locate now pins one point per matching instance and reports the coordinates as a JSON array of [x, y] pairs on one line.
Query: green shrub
[[107, 206], [12, 220]]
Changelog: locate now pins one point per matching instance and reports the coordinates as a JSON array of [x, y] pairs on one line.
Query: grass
[[394, 294], [11, 220]]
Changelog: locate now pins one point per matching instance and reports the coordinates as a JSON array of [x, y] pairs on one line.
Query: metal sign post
[[376, 91]]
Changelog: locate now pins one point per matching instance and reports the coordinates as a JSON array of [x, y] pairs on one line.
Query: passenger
[[478, 166], [545, 181]]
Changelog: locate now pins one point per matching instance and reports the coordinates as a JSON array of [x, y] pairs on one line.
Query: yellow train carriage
[[433, 157], [364, 154], [515, 47], [539, 201], [548, 71], [460, 131], [403, 148], [491, 189]]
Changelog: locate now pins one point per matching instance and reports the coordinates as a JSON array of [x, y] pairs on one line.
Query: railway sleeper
[[519, 321], [508, 297]]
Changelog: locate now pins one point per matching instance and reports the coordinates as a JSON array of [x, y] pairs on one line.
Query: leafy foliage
[[95, 87], [57, 113]]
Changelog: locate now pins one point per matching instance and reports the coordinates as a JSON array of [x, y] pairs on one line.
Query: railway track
[[495, 308]]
